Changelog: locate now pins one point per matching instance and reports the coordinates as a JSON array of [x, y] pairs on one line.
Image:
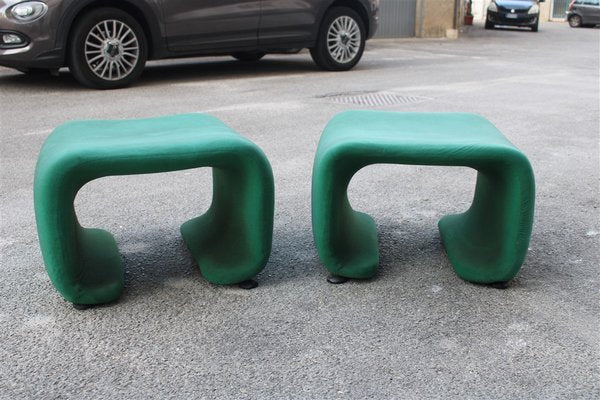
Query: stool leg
[[488, 243], [231, 242], [346, 240], [83, 264]]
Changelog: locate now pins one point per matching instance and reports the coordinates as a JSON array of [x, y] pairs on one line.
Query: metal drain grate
[[375, 99]]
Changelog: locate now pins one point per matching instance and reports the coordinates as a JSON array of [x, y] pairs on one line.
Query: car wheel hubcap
[[343, 39], [111, 50]]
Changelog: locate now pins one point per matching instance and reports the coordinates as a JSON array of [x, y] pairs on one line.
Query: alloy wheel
[[343, 39], [111, 50], [575, 21]]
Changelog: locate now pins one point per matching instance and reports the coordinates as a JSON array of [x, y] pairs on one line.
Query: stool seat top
[[418, 131], [175, 132], [140, 145]]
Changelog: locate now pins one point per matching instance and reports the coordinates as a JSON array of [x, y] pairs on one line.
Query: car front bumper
[[374, 18], [512, 19], [38, 49]]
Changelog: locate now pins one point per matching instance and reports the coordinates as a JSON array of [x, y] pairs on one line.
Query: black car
[[105, 43], [583, 13], [524, 13]]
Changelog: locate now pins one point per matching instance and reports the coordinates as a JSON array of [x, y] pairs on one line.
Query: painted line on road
[[478, 84], [246, 79], [283, 105], [32, 133], [38, 133]]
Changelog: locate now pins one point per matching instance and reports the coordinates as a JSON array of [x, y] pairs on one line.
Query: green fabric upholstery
[[231, 242], [485, 244]]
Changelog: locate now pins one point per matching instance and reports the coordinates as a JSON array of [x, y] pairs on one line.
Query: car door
[[289, 21], [192, 25], [593, 10]]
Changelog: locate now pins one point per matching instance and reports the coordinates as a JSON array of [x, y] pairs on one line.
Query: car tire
[[575, 21], [535, 27], [488, 25], [107, 49], [340, 41], [248, 56]]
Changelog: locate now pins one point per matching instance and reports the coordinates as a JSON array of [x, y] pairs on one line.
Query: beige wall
[[545, 10], [434, 17]]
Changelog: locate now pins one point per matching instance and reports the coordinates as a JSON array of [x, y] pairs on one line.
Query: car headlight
[[493, 7], [535, 9], [28, 11]]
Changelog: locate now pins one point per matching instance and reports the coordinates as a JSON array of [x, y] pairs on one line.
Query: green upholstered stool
[[231, 242], [486, 244]]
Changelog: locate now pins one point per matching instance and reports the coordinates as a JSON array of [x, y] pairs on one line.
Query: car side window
[[591, 2]]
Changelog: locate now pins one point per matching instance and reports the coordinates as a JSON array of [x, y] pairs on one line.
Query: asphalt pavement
[[416, 330]]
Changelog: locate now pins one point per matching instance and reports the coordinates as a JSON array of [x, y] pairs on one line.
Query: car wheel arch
[[355, 5], [137, 9]]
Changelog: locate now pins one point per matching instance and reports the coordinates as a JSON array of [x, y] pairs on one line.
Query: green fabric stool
[[231, 242], [486, 244]]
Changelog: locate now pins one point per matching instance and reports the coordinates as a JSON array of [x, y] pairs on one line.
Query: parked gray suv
[[105, 43]]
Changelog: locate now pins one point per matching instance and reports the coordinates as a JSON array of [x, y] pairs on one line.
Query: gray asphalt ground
[[414, 331]]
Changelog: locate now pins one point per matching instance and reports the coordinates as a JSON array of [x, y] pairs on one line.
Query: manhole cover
[[374, 99]]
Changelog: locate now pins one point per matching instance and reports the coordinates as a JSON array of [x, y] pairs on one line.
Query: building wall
[[545, 10], [396, 18], [557, 12], [435, 17]]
